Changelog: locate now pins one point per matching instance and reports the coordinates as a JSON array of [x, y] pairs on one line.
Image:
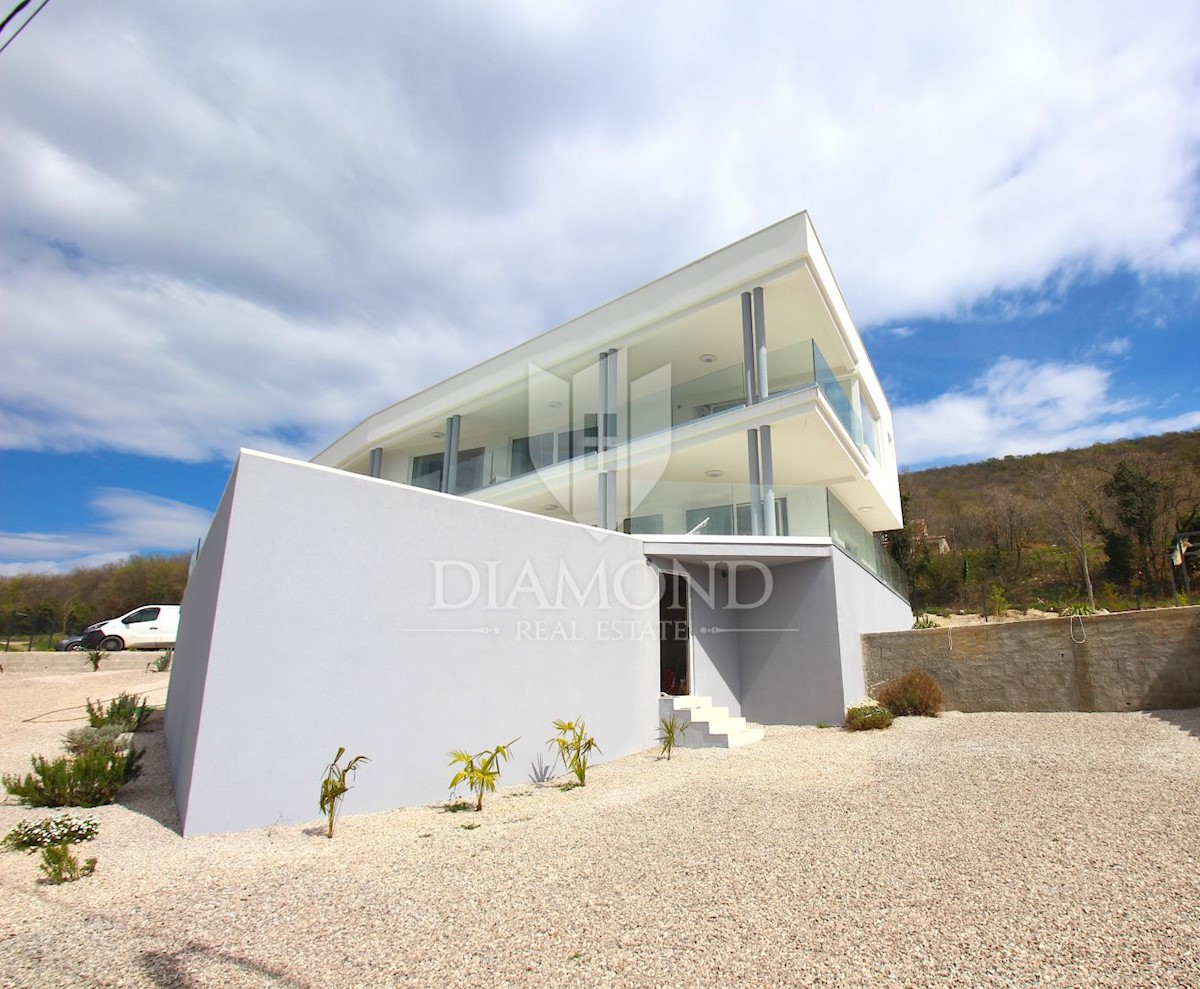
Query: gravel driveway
[[970, 850]]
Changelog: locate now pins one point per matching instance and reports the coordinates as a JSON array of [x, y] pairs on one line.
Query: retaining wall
[[1128, 661], [74, 662]]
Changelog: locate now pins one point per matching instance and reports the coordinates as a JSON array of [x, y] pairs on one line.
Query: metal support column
[[606, 480], [749, 360], [611, 402], [610, 501], [760, 347], [376, 466], [450, 455], [602, 404], [756, 513], [767, 461]]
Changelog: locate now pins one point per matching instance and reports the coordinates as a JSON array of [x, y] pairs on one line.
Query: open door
[[675, 636]]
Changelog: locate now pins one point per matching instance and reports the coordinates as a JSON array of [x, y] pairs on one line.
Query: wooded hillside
[[48, 606], [1036, 531]]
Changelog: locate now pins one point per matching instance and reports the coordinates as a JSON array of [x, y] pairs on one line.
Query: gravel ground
[[970, 850]]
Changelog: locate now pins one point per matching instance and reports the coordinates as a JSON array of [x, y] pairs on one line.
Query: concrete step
[[708, 726], [683, 702], [709, 713], [747, 736]]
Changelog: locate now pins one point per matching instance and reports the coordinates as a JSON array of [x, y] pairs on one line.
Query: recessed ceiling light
[[437, 434], [555, 405], [708, 358], [549, 508], [713, 473], [865, 508]]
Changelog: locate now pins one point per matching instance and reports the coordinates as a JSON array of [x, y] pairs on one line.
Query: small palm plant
[[96, 657], [670, 734], [575, 747], [334, 785], [480, 771]]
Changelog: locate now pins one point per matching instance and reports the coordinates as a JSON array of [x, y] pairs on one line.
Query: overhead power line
[[13, 13]]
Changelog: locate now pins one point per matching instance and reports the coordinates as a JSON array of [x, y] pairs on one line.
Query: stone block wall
[[1139, 660]]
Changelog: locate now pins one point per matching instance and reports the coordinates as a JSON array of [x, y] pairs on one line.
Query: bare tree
[[1070, 516]]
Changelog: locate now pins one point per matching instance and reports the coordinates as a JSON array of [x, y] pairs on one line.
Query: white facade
[[528, 419], [497, 552]]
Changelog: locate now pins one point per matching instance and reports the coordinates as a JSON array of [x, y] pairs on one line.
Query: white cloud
[[226, 226], [1020, 407], [129, 522], [1116, 347]]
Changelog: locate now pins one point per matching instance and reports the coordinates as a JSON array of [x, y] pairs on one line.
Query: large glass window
[[530, 452], [644, 525], [733, 520], [427, 471], [717, 520], [469, 476]]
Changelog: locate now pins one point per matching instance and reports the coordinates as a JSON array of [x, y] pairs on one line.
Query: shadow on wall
[[1175, 684]]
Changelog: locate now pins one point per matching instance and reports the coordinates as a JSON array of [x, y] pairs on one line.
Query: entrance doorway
[[674, 636]]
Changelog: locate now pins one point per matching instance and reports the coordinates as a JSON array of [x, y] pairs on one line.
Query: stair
[[708, 726]]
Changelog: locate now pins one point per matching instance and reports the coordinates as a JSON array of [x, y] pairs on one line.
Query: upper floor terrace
[[679, 386]]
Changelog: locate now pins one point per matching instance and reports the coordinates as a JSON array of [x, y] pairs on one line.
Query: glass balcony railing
[[656, 405], [715, 509], [864, 546], [710, 508]]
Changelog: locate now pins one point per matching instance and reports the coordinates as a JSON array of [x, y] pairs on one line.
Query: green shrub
[[94, 657], [60, 866], [334, 785], [999, 602], [87, 739], [1070, 610], [160, 664], [480, 771], [670, 733], [88, 780], [925, 621], [575, 747], [126, 710], [29, 836], [866, 718], [914, 692]]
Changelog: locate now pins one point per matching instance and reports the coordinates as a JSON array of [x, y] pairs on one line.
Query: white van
[[151, 626]]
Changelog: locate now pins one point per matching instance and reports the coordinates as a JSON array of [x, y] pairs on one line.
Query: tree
[[1070, 515], [1138, 501]]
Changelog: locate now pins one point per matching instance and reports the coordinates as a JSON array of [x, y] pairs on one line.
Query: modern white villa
[[671, 502]]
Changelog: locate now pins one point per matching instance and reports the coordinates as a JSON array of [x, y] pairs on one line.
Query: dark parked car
[[72, 643]]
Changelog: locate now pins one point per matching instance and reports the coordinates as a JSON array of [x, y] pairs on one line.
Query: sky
[[254, 225]]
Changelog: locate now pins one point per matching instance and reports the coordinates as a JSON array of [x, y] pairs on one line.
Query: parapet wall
[[74, 662], [1130, 661]]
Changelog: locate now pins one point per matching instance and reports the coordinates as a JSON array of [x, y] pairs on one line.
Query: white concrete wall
[[813, 674], [864, 604], [791, 670], [185, 697], [302, 558]]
